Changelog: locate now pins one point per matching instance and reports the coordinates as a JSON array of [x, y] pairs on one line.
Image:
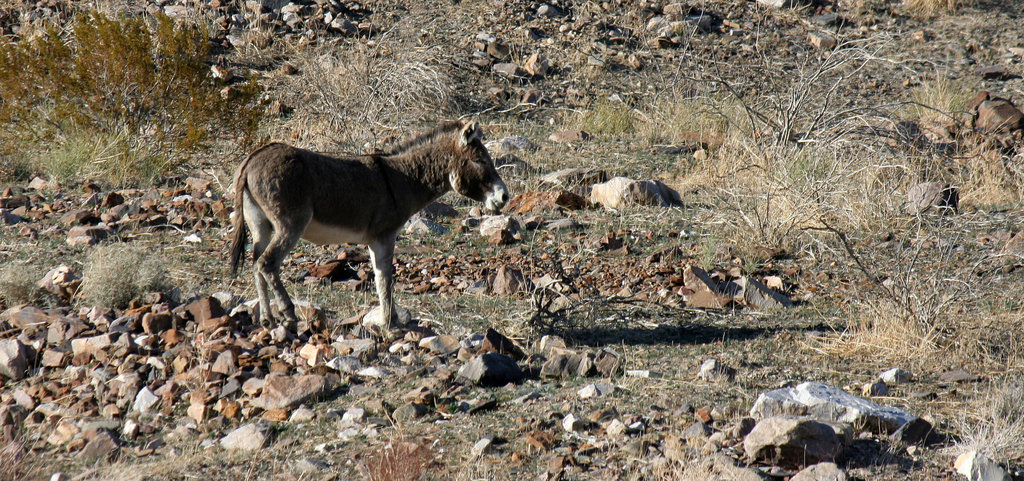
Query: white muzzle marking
[[497, 197]]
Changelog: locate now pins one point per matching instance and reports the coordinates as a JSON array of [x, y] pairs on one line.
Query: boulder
[[820, 472], [621, 192], [791, 441], [249, 437], [287, 392], [572, 177], [14, 359], [827, 403], [491, 369], [927, 195]]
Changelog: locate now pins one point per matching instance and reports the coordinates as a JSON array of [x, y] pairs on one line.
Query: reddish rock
[[287, 392], [204, 309]]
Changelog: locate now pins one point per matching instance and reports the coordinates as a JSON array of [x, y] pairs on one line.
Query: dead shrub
[[360, 92], [607, 117], [397, 461], [115, 274], [18, 284], [134, 99]]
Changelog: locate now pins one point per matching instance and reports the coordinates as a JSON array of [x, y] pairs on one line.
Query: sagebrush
[[116, 274]]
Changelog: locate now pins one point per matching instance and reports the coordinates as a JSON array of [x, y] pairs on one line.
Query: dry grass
[[17, 463], [117, 273], [607, 117], [927, 8], [18, 284], [940, 100], [397, 461], [367, 92], [994, 424]]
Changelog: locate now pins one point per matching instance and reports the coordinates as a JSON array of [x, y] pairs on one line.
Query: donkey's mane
[[442, 129]]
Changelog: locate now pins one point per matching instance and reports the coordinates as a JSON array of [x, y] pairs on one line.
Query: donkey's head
[[472, 172]]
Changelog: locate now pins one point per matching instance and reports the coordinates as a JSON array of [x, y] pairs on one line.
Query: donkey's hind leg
[[261, 230], [282, 241]]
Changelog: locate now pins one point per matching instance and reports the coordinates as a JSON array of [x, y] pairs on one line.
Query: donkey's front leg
[[382, 252]]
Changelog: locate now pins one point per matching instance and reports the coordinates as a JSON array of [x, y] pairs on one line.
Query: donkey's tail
[[238, 221]]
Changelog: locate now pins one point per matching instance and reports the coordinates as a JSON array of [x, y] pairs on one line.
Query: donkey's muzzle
[[497, 197]]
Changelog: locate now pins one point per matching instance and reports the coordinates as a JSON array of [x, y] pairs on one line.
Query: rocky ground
[[614, 322]]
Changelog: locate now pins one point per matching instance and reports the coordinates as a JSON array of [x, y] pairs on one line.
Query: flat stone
[[420, 225], [596, 390], [895, 376], [493, 224], [957, 375], [481, 446], [820, 472], [620, 192], [827, 403], [249, 437], [102, 446], [287, 392], [791, 441], [569, 136], [491, 369]]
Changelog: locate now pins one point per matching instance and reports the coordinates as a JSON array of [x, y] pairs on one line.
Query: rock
[[998, 115], [9, 218], [442, 345], [569, 136], [957, 375], [87, 235], [481, 446], [712, 370], [249, 437], [548, 10], [874, 389], [287, 392], [157, 322], [697, 433], [895, 376], [757, 295], [309, 467], [14, 359], [927, 195], [783, 3], [820, 472], [596, 390], [494, 341], [409, 412], [60, 281], [507, 69], [493, 224], [915, 431], [821, 40], [204, 309], [571, 423], [976, 467], [621, 192], [438, 210], [372, 321], [992, 72], [536, 65], [608, 362], [62, 434], [197, 412], [827, 403], [528, 202], [509, 145], [345, 364], [103, 445], [509, 282], [419, 225], [491, 369], [577, 176], [791, 441], [354, 415], [145, 399], [302, 415]]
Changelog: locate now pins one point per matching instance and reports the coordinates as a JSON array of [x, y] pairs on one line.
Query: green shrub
[[117, 273], [118, 99]]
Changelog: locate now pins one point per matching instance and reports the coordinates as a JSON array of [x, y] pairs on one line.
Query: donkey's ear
[[468, 133]]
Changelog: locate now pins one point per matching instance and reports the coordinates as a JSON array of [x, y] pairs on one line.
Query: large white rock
[[145, 400], [827, 403], [977, 467], [249, 437], [621, 192]]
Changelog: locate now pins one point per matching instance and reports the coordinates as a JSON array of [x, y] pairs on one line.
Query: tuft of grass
[[607, 117], [933, 7], [397, 461], [17, 463], [117, 273], [939, 100], [18, 284], [996, 425]]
